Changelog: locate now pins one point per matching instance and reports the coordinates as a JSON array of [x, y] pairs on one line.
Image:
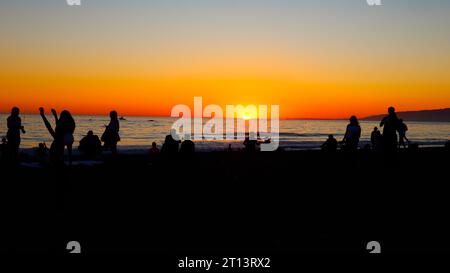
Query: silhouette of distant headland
[[439, 115]]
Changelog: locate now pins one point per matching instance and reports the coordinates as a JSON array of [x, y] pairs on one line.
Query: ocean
[[137, 133]]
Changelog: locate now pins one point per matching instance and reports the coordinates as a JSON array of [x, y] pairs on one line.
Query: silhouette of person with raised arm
[[67, 125], [352, 134], [57, 146], [14, 123], [90, 145], [390, 125], [376, 139], [111, 135], [330, 145], [402, 129]]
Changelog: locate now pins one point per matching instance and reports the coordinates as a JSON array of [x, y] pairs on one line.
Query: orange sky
[[144, 64]]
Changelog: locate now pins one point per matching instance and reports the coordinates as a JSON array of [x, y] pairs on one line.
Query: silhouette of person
[[14, 123], [187, 147], [402, 129], [330, 144], [376, 139], [230, 149], [250, 143], [42, 152], [67, 125], [352, 134], [111, 135], [57, 146], [170, 145], [90, 145], [154, 151], [3, 148], [390, 125]]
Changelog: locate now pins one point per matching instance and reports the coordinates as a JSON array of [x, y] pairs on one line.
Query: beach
[[137, 133], [217, 201]]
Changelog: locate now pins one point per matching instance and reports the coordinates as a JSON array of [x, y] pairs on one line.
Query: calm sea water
[[138, 133]]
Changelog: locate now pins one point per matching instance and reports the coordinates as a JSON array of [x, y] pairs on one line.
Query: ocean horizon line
[[163, 116]]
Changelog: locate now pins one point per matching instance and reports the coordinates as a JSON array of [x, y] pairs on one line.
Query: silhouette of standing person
[[57, 146], [402, 129], [352, 134], [376, 139], [67, 125], [111, 135], [390, 125], [14, 123]]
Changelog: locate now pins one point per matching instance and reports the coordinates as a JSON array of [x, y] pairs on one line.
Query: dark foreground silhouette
[[281, 202]]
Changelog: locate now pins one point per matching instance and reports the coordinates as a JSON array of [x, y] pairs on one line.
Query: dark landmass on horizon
[[439, 115]]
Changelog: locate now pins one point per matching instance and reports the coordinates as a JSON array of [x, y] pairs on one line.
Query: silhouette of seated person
[[42, 150], [187, 147], [90, 145], [376, 139], [330, 144], [170, 145], [3, 148]]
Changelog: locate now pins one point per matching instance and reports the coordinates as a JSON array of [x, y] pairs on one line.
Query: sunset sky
[[315, 58]]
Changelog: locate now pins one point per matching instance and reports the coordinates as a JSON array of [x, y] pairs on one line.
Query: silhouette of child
[[330, 144], [402, 128], [376, 139]]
